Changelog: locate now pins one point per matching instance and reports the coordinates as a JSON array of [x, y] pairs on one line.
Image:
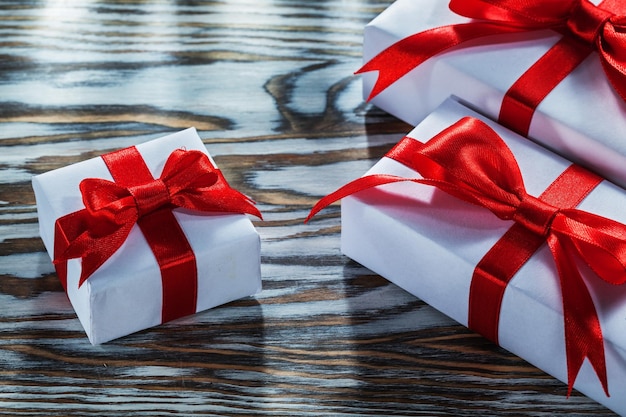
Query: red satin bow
[[471, 162], [188, 181], [592, 27]]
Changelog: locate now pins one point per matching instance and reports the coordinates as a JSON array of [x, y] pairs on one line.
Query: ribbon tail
[[223, 199], [237, 202], [583, 334], [217, 196], [355, 186], [405, 55]]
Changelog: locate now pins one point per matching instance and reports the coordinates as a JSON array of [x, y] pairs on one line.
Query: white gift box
[[125, 294], [429, 243], [583, 118]]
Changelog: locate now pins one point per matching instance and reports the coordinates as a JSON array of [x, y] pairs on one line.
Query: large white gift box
[[429, 243], [125, 294], [583, 118]]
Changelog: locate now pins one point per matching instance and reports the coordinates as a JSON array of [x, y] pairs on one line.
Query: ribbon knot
[[151, 196], [586, 21], [535, 215]]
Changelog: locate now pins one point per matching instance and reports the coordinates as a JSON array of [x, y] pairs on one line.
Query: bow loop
[[457, 157], [611, 43], [108, 205], [188, 170], [586, 22]]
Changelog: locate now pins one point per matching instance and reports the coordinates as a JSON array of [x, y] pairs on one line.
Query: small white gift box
[[582, 119], [125, 294], [429, 243]]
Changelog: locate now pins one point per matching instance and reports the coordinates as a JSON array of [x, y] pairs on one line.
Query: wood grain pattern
[[269, 86]]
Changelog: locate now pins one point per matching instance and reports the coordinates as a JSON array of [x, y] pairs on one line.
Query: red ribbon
[[95, 233], [585, 27], [471, 162]]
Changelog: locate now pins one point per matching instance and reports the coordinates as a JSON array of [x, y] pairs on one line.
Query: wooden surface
[[269, 86]]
